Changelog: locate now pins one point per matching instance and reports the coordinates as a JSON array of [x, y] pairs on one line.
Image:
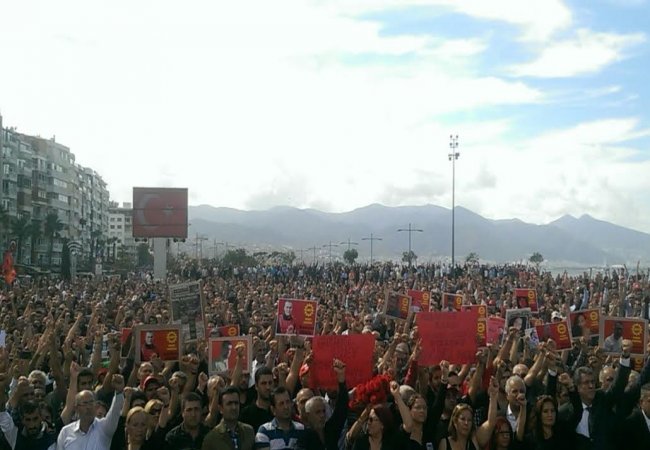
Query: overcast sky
[[339, 104]]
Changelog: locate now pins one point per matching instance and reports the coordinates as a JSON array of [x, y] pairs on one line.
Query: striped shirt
[[271, 437]]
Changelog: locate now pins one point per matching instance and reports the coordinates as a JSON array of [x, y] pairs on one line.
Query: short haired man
[[259, 412], [191, 432], [230, 434], [89, 431], [636, 428], [590, 411], [280, 433], [323, 433]]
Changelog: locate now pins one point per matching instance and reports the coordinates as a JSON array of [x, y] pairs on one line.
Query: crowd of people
[[67, 380]]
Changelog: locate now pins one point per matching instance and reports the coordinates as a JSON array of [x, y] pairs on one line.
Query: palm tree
[[20, 229], [52, 228], [36, 232], [4, 220], [113, 241]]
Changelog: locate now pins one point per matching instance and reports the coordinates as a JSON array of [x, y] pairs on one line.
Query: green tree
[[65, 261], [113, 242], [52, 227], [36, 232], [409, 257], [537, 259], [472, 258], [143, 256], [5, 221], [239, 257], [350, 255], [20, 230]]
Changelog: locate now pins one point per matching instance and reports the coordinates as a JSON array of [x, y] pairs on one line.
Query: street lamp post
[[453, 156], [330, 245], [371, 239], [410, 230]]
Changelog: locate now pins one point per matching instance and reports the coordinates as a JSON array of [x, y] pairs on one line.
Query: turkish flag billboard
[[160, 212]]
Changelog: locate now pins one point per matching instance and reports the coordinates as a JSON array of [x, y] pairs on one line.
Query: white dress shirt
[[99, 434], [512, 418], [583, 425]]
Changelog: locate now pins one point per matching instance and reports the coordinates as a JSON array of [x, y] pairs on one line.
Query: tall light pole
[[410, 230], [314, 248], [371, 239], [453, 156], [330, 245], [349, 243]]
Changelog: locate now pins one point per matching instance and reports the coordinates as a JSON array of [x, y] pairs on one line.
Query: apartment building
[[40, 176]]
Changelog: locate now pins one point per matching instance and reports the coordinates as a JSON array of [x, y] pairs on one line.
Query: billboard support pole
[[159, 258]]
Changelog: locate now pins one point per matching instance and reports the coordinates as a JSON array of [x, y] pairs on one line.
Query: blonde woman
[[462, 431], [136, 429]]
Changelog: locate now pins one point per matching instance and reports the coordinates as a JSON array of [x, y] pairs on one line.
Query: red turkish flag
[[160, 212]]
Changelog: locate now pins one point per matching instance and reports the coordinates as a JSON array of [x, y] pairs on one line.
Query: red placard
[[228, 330], [126, 335], [585, 323], [453, 300], [481, 323], [526, 298], [163, 340], [355, 350], [296, 317], [444, 337], [614, 329], [223, 356], [558, 331], [495, 329], [159, 212], [397, 306], [419, 300]]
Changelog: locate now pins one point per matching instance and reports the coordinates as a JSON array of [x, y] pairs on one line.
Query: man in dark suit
[[636, 429], [590, 411]]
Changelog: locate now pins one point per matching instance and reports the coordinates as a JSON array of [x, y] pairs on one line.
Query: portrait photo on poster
[[296, 317], [519, 319], [223, 354], [396, 305], [162, 340]]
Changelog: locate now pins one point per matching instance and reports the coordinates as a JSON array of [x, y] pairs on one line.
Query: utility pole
[[330, 245], [198, 252], [371, 239], [314, 248], [349, 243], [453, 156], [410, 230]]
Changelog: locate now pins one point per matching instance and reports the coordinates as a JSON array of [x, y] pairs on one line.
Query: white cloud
[[588, 52]]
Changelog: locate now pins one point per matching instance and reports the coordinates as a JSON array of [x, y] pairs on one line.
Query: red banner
[[419, 300], [355, 350], [585, 323], [444, 337], [397, 306], [160, 212], [296, 317], [228, 330], [452, 300], [614, 329], [223, 356], [526, 298], [8, 270], [558, 331], [495, 329]]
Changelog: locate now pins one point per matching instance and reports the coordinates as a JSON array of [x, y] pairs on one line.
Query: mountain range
[[567, 240]]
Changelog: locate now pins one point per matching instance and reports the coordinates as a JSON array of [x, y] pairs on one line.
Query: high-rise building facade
[[41, 178]]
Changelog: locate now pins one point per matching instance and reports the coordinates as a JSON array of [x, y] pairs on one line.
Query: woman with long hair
[[496, 431], [462, 430], [547, 432]]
